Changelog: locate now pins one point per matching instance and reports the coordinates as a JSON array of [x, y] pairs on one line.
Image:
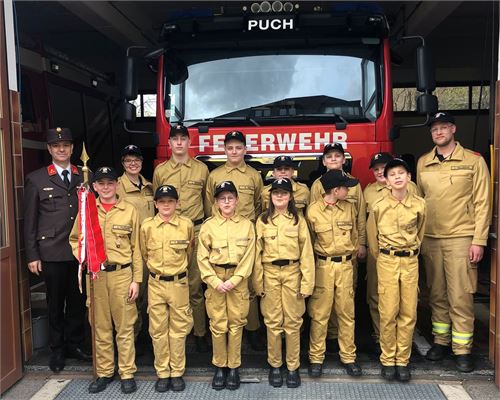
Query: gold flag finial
[[85, 157]]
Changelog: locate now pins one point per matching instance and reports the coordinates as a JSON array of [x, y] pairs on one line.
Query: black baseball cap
[[131, 150], [380, 158], [441, 117], [105, 173], [226, 186], [178, 130], [396, 162], [58, 135], [337, 178], [282, 184], [333, 147], [235, 135], [166, 191], [283, 161]]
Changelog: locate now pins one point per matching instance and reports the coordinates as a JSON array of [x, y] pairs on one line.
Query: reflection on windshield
[[278, 85]]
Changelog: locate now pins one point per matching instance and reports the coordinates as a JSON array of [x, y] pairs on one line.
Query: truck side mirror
[[128, 112], [129, 81], [427, 104], [176, 70], [426, 80]]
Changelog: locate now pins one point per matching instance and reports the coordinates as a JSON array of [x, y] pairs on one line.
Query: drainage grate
[[77, 389]]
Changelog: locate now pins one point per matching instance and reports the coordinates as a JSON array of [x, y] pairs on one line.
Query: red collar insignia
[[51, 170], [74, 170]]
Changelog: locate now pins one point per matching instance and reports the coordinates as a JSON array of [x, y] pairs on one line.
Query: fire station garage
[[292, 76]]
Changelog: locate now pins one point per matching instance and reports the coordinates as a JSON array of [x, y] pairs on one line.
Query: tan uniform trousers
[[196, 298], [333, 289], [452, 281], [112, 309], [283, 308], [227, 313], [372, 294], [333, 328], [398, 293], [170, 321]]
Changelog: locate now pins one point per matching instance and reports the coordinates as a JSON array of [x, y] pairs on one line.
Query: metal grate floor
[[77, 389]]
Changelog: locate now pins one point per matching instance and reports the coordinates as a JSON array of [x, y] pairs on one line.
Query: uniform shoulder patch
[[74, 170], [51, 170]]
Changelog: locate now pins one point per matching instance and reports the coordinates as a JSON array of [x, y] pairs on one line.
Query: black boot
[[128, 385], [352, 369], [315, 370], [275, 378], [57, 361], [99, 384], [464, 362], [255, 341], [233, 379], [293, 379], [403, 373], [162, 385], [219, 381], [437, 352], [177, 384], [388, 372], [201, 344]]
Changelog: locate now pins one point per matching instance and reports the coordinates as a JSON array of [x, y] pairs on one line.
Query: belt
[[226, 266], [282, 263], [399, 253], [114, 267], [198, 222], [335, 258], [168, 277]]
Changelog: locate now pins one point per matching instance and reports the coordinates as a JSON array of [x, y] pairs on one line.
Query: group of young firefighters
[[280, 243]]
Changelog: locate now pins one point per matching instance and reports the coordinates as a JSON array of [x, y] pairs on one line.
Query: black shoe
[[332, 346], [201, 344], [255, 341], [233, 379], [100, 384], [464, 363], [78, 353], [293, 379], [403, 374], [388, 372], [275, 378], [315, 370], [162, 385], [128, 386], [352, 369], [177, 384], [57, 361], [437, 352], [219, 381]]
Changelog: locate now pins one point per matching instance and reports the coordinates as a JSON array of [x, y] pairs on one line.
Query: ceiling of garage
[[98, 32]]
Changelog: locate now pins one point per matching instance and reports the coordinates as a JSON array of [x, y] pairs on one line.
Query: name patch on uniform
[[179, 241], [246, 187], [123, 227], [197, 183], [344, 223], [47, 189], [457, 167]]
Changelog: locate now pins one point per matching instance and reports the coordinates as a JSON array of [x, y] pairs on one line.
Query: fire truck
[[290, 76]]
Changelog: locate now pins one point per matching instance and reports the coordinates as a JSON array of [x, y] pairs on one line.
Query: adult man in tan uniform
[[117, 286], [455, 185], [189, 177], [248, 182]]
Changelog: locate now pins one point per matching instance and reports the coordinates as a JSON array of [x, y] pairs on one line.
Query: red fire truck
[[292, 77]]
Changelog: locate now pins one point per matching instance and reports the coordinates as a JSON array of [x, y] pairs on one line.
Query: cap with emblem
[[226, 186], [166, 191], [333, 147], [58, 135], [235, 135], [441, 117], [105, 173], [178, 129], [283, 161], [337, 178], [282, 184], [131, 150], [380, 158], [396, 162]]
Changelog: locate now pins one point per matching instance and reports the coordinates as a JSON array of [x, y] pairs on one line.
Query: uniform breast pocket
[[219, 253], [178, 248], [245, 192], [241, 246], [122, 238], [49, 200], [461, 181], [324, 234], [343, 233], [155, 250], [290, 242], [388, 228]]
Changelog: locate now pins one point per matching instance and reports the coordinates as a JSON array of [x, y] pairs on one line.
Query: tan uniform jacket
[[396, 225], [354, 196], [120, 232], [189, 179], [142, 198], [457, 193], [226, 241], [333, 227], [167, 246], [373, 191], [300, 195], [281, 239], [248, 182]]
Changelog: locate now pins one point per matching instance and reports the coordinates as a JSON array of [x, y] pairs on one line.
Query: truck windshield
[[267, 88]]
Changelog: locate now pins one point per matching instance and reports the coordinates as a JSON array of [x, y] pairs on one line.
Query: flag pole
[[84, 157]]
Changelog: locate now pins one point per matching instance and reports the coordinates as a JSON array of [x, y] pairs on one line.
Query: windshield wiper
[[201, 121], [340, 124]]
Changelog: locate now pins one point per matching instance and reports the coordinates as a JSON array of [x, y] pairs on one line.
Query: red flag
[[90, 243]]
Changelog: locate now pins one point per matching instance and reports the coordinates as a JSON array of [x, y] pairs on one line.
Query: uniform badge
[[51, 170], [48, 189], [74, 170]]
